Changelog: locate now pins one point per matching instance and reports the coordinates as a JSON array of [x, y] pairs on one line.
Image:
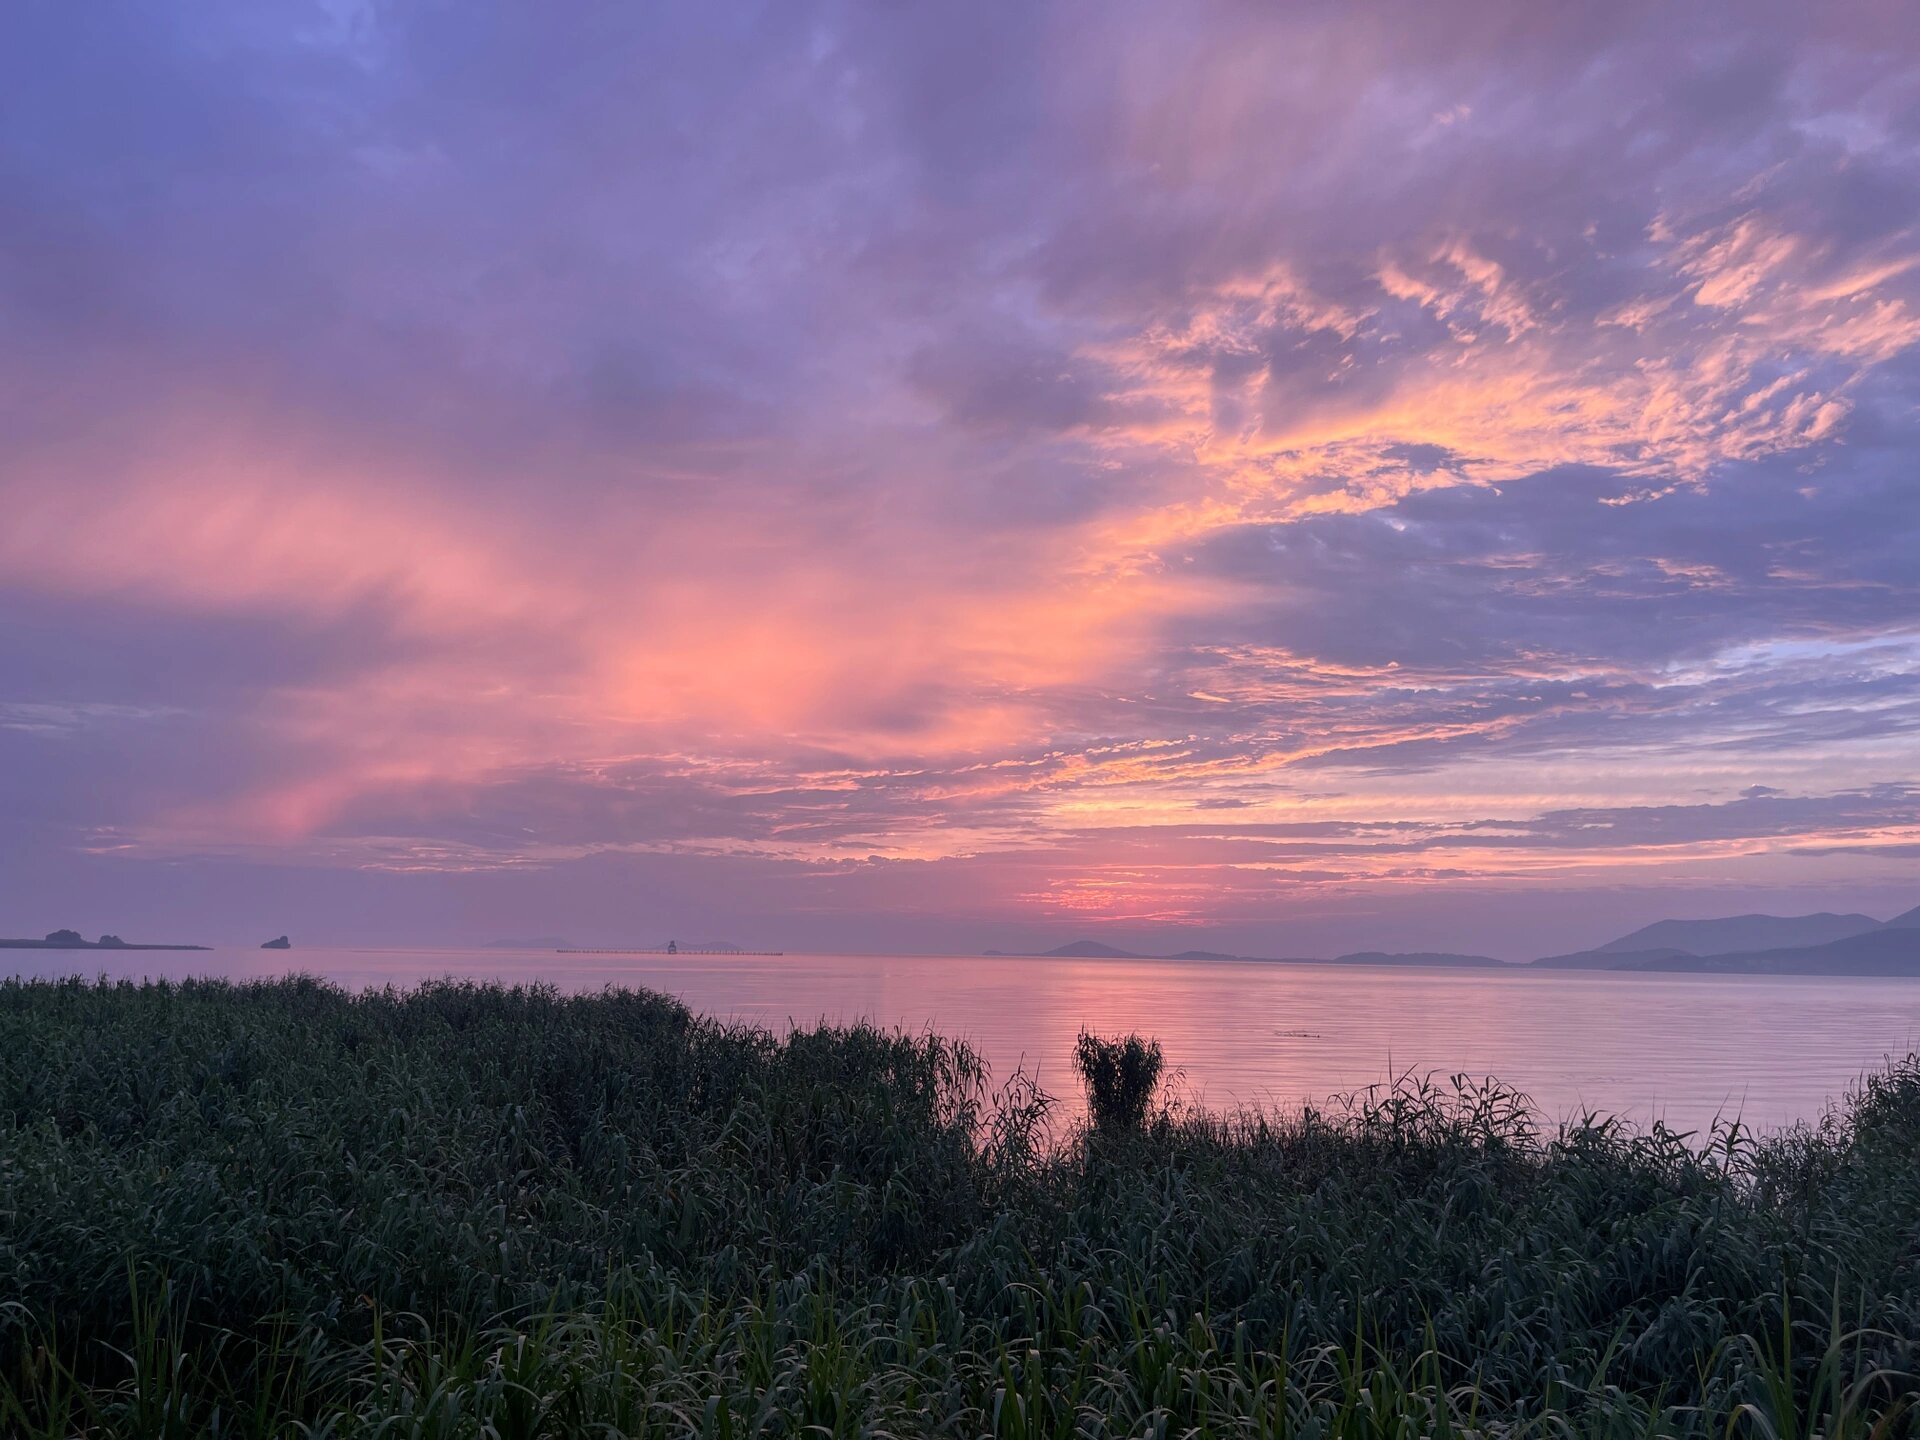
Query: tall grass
[[1121, 1077], [279, 1209]]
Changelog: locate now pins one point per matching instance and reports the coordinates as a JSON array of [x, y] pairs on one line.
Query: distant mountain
[[1890, 950], [1418, 957], [1738, 933], [1823, 944]]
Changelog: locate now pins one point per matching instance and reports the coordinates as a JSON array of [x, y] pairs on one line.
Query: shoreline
[[90, 945]]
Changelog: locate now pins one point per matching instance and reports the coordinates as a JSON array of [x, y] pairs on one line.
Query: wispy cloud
[[1161, 465]]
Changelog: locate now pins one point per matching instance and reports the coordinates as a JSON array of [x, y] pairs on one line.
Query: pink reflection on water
[[1685, 1048]]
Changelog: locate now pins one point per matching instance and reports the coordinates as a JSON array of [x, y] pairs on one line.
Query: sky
[[931, 477]]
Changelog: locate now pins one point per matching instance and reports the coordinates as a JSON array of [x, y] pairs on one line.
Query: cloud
[[989, 441]]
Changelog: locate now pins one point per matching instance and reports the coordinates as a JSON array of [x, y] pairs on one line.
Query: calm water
[[1686, 1048]]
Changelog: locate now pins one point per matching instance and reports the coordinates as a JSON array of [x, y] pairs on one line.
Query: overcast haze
[[1277, 478]]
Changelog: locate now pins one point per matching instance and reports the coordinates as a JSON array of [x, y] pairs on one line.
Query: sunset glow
[[1280, 478]]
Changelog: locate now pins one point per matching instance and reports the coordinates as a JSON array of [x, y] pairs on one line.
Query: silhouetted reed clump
[[279, 1209], [1121, 1076]]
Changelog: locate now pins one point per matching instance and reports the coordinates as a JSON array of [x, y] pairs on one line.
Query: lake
[[1685, 1048]]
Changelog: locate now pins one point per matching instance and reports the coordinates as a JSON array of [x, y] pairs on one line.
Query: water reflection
[[1684, 1047]]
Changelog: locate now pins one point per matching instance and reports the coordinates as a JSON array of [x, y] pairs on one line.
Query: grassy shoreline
[[277, 1208]]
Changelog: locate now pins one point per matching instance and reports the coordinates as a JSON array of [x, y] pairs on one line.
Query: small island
[[282, 943], [74, 940]]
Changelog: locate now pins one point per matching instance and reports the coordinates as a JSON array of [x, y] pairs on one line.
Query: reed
[[280, 1209]]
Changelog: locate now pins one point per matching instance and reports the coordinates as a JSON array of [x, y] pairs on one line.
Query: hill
[[1733, 934], [1821, 944], [1888, 951]]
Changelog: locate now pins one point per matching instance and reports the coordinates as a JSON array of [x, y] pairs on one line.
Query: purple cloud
[[930, 466]]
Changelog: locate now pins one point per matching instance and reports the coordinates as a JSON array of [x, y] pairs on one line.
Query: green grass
[[279, 1209]]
